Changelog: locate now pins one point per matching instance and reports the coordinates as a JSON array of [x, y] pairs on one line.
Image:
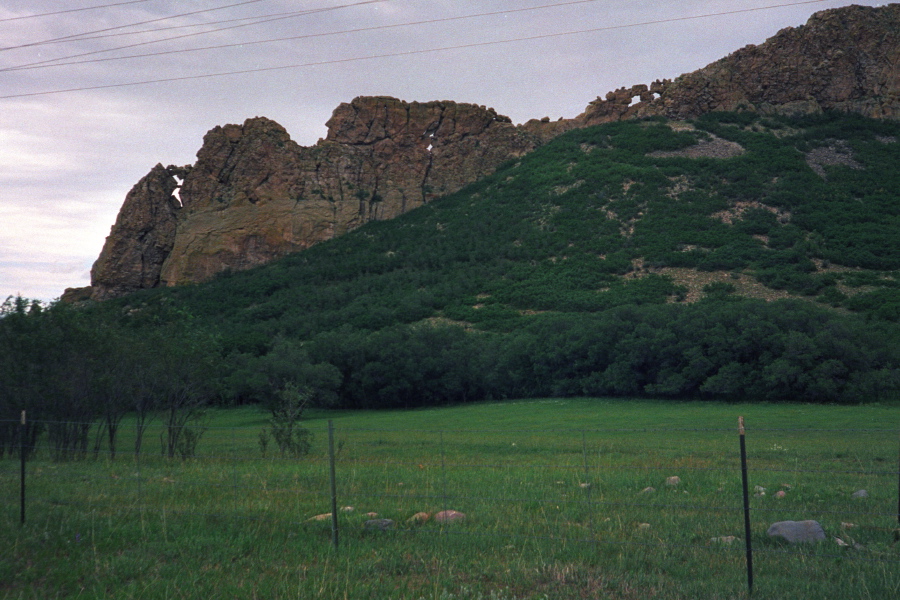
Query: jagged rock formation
[[141, 238], [845, 59], [254, 195]]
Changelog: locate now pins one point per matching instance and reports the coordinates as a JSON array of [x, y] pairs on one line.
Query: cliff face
[[254, 195], [140, 240]]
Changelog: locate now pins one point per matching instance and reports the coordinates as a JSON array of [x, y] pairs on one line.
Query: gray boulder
[[380, 524], [797, 532]]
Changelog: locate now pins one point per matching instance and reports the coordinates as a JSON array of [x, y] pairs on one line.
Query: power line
[[75, 36], [44, 64], [409, 52], [87, 36], [71, 10], [54, 61]]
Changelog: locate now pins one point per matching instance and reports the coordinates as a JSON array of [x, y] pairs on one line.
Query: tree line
[[79, 376]]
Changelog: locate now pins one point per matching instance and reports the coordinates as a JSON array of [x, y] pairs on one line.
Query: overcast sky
[[67, 158]]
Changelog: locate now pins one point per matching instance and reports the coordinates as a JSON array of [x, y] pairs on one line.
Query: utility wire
[[407, 52], [87, 36], [76, 36], [71, 10], [53, 61], [44, 64]]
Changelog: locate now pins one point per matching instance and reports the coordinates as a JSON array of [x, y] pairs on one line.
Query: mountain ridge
[[254, 195]]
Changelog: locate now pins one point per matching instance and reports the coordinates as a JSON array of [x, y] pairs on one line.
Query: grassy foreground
[[555, 494]]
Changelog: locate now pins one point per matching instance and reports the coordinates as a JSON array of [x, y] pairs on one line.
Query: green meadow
[[555, 493]]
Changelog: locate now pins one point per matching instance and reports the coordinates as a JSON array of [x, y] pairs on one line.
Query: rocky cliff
[[254, 195], [845, 59]]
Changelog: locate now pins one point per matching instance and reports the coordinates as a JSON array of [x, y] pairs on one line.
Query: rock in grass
[[797, 532], [648, 490], [860, 494], [450, 516], [322, 517], [418, 518], [673, 480], [380, 524]]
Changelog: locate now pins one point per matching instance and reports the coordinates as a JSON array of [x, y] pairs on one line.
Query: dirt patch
[[737, 211], [714, 147], [838, 153], [695, 281]]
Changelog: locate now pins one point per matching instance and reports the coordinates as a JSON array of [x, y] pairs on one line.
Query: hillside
[[650, 211], [254, 195], [641, 257]]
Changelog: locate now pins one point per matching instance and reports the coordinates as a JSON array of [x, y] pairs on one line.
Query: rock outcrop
[[254, 195], [141, 239], [845, 59]]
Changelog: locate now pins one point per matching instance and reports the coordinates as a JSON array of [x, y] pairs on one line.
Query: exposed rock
[[322, 517], [73, 295], [797, 531], [837, 154], [845, 59], [449, 516], [714, 147], [255, 195], [140, 240], [418, 518], [379, 524], [860, 494], [673, 480]]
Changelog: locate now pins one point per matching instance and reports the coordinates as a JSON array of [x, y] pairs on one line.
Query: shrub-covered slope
[[731, 256], [627, 213]]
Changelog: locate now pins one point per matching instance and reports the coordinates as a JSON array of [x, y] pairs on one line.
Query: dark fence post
[[22, 451], [588, 485], [334, 515], [746, 505], [443, 476]]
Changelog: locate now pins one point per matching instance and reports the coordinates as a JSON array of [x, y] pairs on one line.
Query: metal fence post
[[746, 505], [334, 516], [443, 477], [22, 451], [589, 485]]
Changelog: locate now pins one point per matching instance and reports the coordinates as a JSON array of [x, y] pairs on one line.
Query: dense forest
[[615, 260]]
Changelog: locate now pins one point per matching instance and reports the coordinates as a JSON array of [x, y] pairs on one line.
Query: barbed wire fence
[[663, 491]]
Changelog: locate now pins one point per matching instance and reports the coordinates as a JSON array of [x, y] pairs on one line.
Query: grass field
[[553, 492]]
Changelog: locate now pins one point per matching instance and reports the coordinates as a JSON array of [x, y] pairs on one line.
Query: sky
[[83, 117]]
